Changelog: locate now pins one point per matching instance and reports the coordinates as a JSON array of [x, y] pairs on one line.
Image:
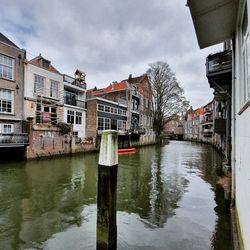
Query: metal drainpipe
[[233, 128]]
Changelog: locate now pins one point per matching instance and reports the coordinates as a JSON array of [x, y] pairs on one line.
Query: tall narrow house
[[43, 93], [75, 103], [11, 86]]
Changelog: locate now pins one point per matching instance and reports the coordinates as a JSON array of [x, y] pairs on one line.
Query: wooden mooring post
[[106, 230]]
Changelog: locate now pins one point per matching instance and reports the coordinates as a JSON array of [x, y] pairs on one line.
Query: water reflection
[[167, 198]]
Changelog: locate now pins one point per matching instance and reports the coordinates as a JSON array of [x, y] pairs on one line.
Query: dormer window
[[44, 63]]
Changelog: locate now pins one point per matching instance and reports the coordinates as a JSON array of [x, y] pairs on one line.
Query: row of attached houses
[[205, 124], [198, 124], [34, 92], [228, 73], [123, 106]]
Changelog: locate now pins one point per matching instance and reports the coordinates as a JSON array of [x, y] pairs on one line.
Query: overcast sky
[[110, 39]]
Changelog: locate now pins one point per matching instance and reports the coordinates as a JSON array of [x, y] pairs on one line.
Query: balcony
[[207, 112], [219, 68], [11, 139], [74, 82], [207, 132], [74, 102], [220, 125], [207, 122]]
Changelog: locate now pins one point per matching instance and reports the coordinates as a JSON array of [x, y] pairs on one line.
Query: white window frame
[[121, 125], [39, 90], [101, 107], [7, 64], [71, 113], [2, 125], [6, 99], [78, 117], [246, 56], [54, 89]]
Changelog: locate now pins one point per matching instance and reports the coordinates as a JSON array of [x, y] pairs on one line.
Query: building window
[[103, 123], [78, 117], [54, 89], [39, 84], [70, 116], [114, 110], [70, 98], [6, 67], [75, 134], [113, 124], [100, 123], [6, 101], [135, 105], [107, 109], [121, 125], [107, 123], [6, 128], [246, 54], [100, 107]]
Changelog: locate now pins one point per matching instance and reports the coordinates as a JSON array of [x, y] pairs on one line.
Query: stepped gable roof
[[6, 40], [37, 61], [137, 79], [115, 86]]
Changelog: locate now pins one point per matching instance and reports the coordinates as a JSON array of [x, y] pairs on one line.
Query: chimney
[[130, 78]]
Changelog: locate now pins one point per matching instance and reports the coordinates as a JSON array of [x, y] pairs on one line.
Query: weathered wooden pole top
[[108, 155]]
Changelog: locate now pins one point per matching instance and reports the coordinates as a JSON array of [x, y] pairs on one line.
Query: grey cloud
[[111, 38]]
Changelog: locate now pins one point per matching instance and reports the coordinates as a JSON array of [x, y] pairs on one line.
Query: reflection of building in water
[[150, 193], [46, 200]]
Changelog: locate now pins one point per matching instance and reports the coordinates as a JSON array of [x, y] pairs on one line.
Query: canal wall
[[46, 141]]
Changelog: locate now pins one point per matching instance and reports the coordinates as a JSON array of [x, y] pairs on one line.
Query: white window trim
[[43, 87], [57, 93], [12, 102], [12, 66], [2, 128], [245, 54], [123, 112]]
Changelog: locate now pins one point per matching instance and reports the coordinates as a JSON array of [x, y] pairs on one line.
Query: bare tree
[[167, 94]]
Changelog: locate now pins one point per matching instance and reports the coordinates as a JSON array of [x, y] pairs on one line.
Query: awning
[[214, 20]]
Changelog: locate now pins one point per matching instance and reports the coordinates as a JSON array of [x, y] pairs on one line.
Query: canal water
[[167, 198]]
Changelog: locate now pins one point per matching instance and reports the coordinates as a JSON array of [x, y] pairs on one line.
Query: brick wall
[[91, 126], [45, 140]]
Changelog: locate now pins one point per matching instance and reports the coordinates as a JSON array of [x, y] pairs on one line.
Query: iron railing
[[219, 62], [74, 81], [14, 138], [74, 102]]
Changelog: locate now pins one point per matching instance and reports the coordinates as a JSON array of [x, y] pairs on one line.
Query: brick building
[[135, 93], [105, 114], [207, 123]]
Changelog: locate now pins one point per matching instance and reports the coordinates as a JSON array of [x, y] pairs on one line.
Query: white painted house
[[215, 22], [75, 103], [43, 92]]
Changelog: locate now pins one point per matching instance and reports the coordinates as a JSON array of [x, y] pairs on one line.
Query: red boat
[[126, 150]]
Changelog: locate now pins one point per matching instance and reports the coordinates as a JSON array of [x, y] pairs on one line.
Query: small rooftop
[[43, 63]]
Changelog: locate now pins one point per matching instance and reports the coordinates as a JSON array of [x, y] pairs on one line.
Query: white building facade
[[216, 22], [75, 103], [43, 92]]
